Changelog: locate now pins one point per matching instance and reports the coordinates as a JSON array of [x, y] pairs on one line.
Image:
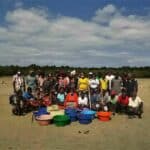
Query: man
[[31, 81], [112, 102], [48, 84], [82, 100], [135, 106], [131, 85], [122, 104], [117, 84], [93, 82], [109, 77], [18, 82]]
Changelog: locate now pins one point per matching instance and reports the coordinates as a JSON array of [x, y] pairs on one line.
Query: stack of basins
[[71, 113], [86, 116], [42, 117]]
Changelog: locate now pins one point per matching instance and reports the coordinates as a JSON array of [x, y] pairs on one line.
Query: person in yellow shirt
[[103, 85], [83, 83]]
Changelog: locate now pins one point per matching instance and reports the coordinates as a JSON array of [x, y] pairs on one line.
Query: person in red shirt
[[71, 99], [122, 104]]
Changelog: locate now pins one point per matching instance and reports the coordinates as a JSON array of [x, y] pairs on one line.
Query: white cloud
[[109, 38]]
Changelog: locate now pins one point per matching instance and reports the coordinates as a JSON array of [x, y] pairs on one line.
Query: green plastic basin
[[61, 120]]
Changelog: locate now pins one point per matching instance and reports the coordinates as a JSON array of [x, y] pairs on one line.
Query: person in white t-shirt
[[93, 82], [135, 106], [109, 77], [82, 100], [18, 82]]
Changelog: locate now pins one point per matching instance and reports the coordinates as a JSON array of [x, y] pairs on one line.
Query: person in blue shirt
[[61, 96], [28, 95]]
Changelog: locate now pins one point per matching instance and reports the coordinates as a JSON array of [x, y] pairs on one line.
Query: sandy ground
[[19, 133]]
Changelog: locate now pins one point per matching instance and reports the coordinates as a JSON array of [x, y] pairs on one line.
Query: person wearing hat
[[122, 103], [112, 101], [18, 82]]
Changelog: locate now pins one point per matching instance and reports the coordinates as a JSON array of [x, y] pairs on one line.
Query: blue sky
[[77, 33]]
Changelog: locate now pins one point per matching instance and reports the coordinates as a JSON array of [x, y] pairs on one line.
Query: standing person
[[117, 84], [83, 83], [48, 84], [31, 80], [94, 83], [41, 80], [103, 85], [131, 85], [18, 82], [109, 77], [63, 81], [72, 83]]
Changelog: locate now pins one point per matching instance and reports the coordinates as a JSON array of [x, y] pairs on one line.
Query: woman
[[71, 99], [61, 96]]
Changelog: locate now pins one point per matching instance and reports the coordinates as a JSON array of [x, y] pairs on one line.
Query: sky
[[79, 33]]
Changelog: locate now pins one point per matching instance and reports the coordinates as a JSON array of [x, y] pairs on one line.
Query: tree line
[[139, 72]]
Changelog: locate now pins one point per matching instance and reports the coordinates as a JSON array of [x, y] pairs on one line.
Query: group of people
[[108, 92]]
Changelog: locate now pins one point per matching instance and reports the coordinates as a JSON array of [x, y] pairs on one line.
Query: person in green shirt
[[112, 102]]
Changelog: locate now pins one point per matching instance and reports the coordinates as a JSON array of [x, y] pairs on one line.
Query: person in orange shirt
[[71, 99]]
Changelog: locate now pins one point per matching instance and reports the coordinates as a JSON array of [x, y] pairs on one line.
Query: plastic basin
[[61, 120], [104, 116]]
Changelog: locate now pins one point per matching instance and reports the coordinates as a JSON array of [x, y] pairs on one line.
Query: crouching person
[[122, 103], [135, 106], [16, 100], [82, 100], [71, 99], [29, 100], [112, 102]]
